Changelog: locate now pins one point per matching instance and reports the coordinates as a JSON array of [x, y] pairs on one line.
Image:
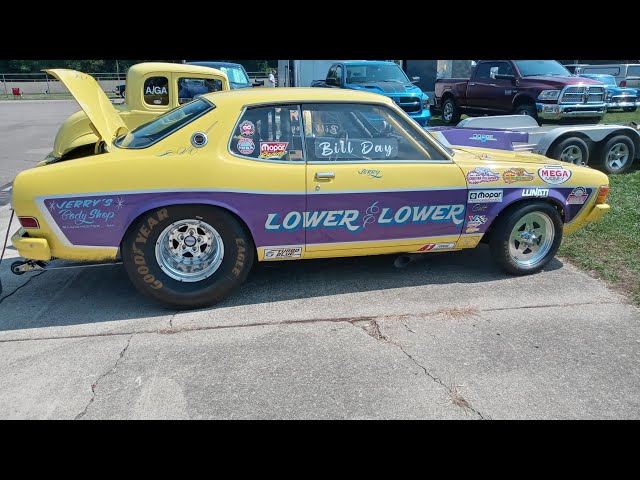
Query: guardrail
[[42, 83]]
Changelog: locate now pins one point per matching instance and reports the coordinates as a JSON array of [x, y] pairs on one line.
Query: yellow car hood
[[507, 156], [101, 113]]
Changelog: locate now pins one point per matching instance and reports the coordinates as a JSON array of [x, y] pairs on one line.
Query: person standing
[[272, 77]]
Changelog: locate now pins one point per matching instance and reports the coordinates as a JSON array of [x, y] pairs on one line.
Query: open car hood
[[96, 105]]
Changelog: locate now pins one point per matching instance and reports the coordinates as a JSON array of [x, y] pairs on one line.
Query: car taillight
[[623, 83], [602, 194], [29, 222]]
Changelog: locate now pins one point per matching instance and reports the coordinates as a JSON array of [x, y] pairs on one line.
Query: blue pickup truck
[[385, 78]]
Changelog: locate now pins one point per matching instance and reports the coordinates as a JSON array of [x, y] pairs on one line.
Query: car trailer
[[610, 147]]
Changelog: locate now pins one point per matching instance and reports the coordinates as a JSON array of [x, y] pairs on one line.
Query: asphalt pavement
[[450, 336]]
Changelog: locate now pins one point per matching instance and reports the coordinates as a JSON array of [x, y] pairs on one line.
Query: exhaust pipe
[[402, 261]]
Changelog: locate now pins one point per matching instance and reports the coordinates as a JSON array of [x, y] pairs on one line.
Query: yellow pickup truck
[[153, 88]]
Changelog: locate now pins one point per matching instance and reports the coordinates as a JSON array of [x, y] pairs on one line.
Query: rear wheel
[[187, 256], [617, 154], [572, 150], [630, 109], [526, 237], [450, 111]]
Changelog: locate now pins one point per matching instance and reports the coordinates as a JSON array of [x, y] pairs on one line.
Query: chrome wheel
[[617, 156], [531, 239], [447, 113], [572, 154], [189, 250]]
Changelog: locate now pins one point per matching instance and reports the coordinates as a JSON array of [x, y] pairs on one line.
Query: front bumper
[[549, 111], [31, 248], [611, 105], [594, 215]]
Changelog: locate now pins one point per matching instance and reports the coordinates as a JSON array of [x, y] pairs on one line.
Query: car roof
[[215, 64], [147, 67], [254, 96], [369, 62]]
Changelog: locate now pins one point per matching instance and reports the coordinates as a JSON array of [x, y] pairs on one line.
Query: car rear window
[[164, 125]]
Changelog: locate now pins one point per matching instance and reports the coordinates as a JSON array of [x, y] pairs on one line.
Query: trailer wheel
[[450, 111], [617, 154], [629, 109], [572, 150]]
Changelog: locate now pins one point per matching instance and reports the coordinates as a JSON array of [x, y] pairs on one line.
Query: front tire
[[617, 154], [526, 237], [450, 111], [187, 256]]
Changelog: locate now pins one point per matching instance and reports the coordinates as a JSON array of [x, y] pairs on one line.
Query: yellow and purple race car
[[189, 201]]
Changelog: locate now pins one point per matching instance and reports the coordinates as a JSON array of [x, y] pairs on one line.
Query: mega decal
[[484, 196], [515, 175], [481, 175], [374, 148], [577, 196], [554, 174], [355, 220], [535, 192], [273, 149], [246, 146], [278, 253], [247, 129], [436, 246], [370, 173]]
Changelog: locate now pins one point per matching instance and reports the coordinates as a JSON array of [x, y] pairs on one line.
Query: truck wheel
[[571, 150], [450, 111], [526, 237], [629, 109], [187, 256], [527, 109], [617, 154]]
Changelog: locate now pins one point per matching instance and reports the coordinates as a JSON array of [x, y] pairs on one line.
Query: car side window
[[156, 91], [485, 70], [504, 69], [189, 88], [338, 73], [332, 72], [341, 132], [269, 133]]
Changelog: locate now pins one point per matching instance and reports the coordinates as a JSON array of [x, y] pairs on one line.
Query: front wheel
[[450, 112], [187, 256], [526, 237]]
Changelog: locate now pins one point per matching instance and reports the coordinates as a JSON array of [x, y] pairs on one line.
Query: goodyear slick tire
[[501, 231], [139, 257]]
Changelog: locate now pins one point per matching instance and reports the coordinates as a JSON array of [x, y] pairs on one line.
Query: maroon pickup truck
[[543, 89]]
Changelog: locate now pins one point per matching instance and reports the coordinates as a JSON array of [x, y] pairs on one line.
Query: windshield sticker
[[247, 129], [515, 175], [327, 128], [577, 196], [273, 149], [246, 146], [554, 174], [481, 175], [375, 148]]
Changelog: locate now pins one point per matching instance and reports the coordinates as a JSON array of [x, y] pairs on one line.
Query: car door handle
[[325, 175], [472, 83]]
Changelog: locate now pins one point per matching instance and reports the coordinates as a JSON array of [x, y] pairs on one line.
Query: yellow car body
[[445, 199], [161, 81]]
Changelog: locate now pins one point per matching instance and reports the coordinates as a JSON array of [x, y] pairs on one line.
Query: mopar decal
[[351, 219], [273, 149], [484, 196], [554, 174], [481, 175]]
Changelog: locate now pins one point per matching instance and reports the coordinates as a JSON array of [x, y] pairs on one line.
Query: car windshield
[[157, 129], [375, 73], [530, 68], [236, 75], [606, 79]]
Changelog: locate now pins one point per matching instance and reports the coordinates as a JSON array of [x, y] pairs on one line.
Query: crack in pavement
[[372, 328], [364, 318], [20, 286], [94, 385]]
